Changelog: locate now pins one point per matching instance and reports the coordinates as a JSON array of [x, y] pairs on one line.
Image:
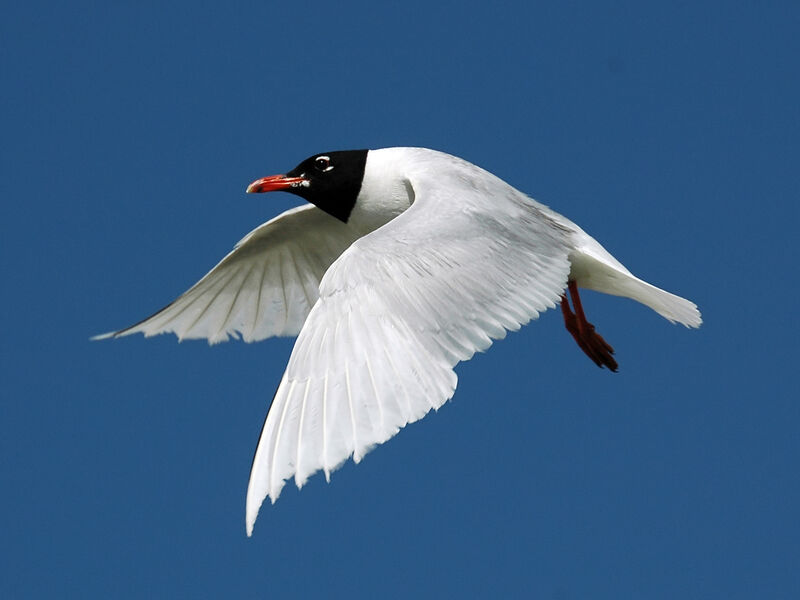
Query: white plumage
[[437, 258], [264, 287]]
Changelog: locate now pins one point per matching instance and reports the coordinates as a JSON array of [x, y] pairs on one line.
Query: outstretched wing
[[265, 287], [397, 311]]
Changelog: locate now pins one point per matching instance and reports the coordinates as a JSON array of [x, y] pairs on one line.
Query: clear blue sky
[[670, 132]]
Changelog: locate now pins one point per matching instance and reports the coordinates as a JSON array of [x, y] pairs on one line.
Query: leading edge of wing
[[397, 311]]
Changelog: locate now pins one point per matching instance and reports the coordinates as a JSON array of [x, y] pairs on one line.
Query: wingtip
[[250, 520], [103, 336], [253, 507]]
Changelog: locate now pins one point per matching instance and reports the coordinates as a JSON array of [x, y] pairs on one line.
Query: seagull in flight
[[405, 262]]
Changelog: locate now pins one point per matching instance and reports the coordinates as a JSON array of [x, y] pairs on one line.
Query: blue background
[[668, 131]]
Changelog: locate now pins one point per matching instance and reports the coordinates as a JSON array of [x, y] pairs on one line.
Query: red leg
[[591, 342]]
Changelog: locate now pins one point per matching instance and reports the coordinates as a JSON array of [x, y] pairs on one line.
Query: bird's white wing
[[396, 312], [265, 287]]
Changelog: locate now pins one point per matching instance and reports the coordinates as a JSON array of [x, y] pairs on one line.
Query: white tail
[[671, 307], [594, 268]]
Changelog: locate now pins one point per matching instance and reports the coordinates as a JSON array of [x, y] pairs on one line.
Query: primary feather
[[411, 261]]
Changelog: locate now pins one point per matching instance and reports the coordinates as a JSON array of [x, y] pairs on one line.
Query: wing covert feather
[[397, 311]]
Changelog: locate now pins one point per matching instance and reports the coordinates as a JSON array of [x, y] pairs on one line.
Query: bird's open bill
[[274, 183]]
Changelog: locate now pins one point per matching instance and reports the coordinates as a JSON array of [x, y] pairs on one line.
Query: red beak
[[273, 183]]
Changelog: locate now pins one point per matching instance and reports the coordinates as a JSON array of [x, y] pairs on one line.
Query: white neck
[[385, 191]]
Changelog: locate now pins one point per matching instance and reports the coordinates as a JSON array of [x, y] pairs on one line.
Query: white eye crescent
[[323, 163]]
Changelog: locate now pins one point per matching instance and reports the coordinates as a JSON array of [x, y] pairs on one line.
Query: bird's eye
[[323, 163]]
